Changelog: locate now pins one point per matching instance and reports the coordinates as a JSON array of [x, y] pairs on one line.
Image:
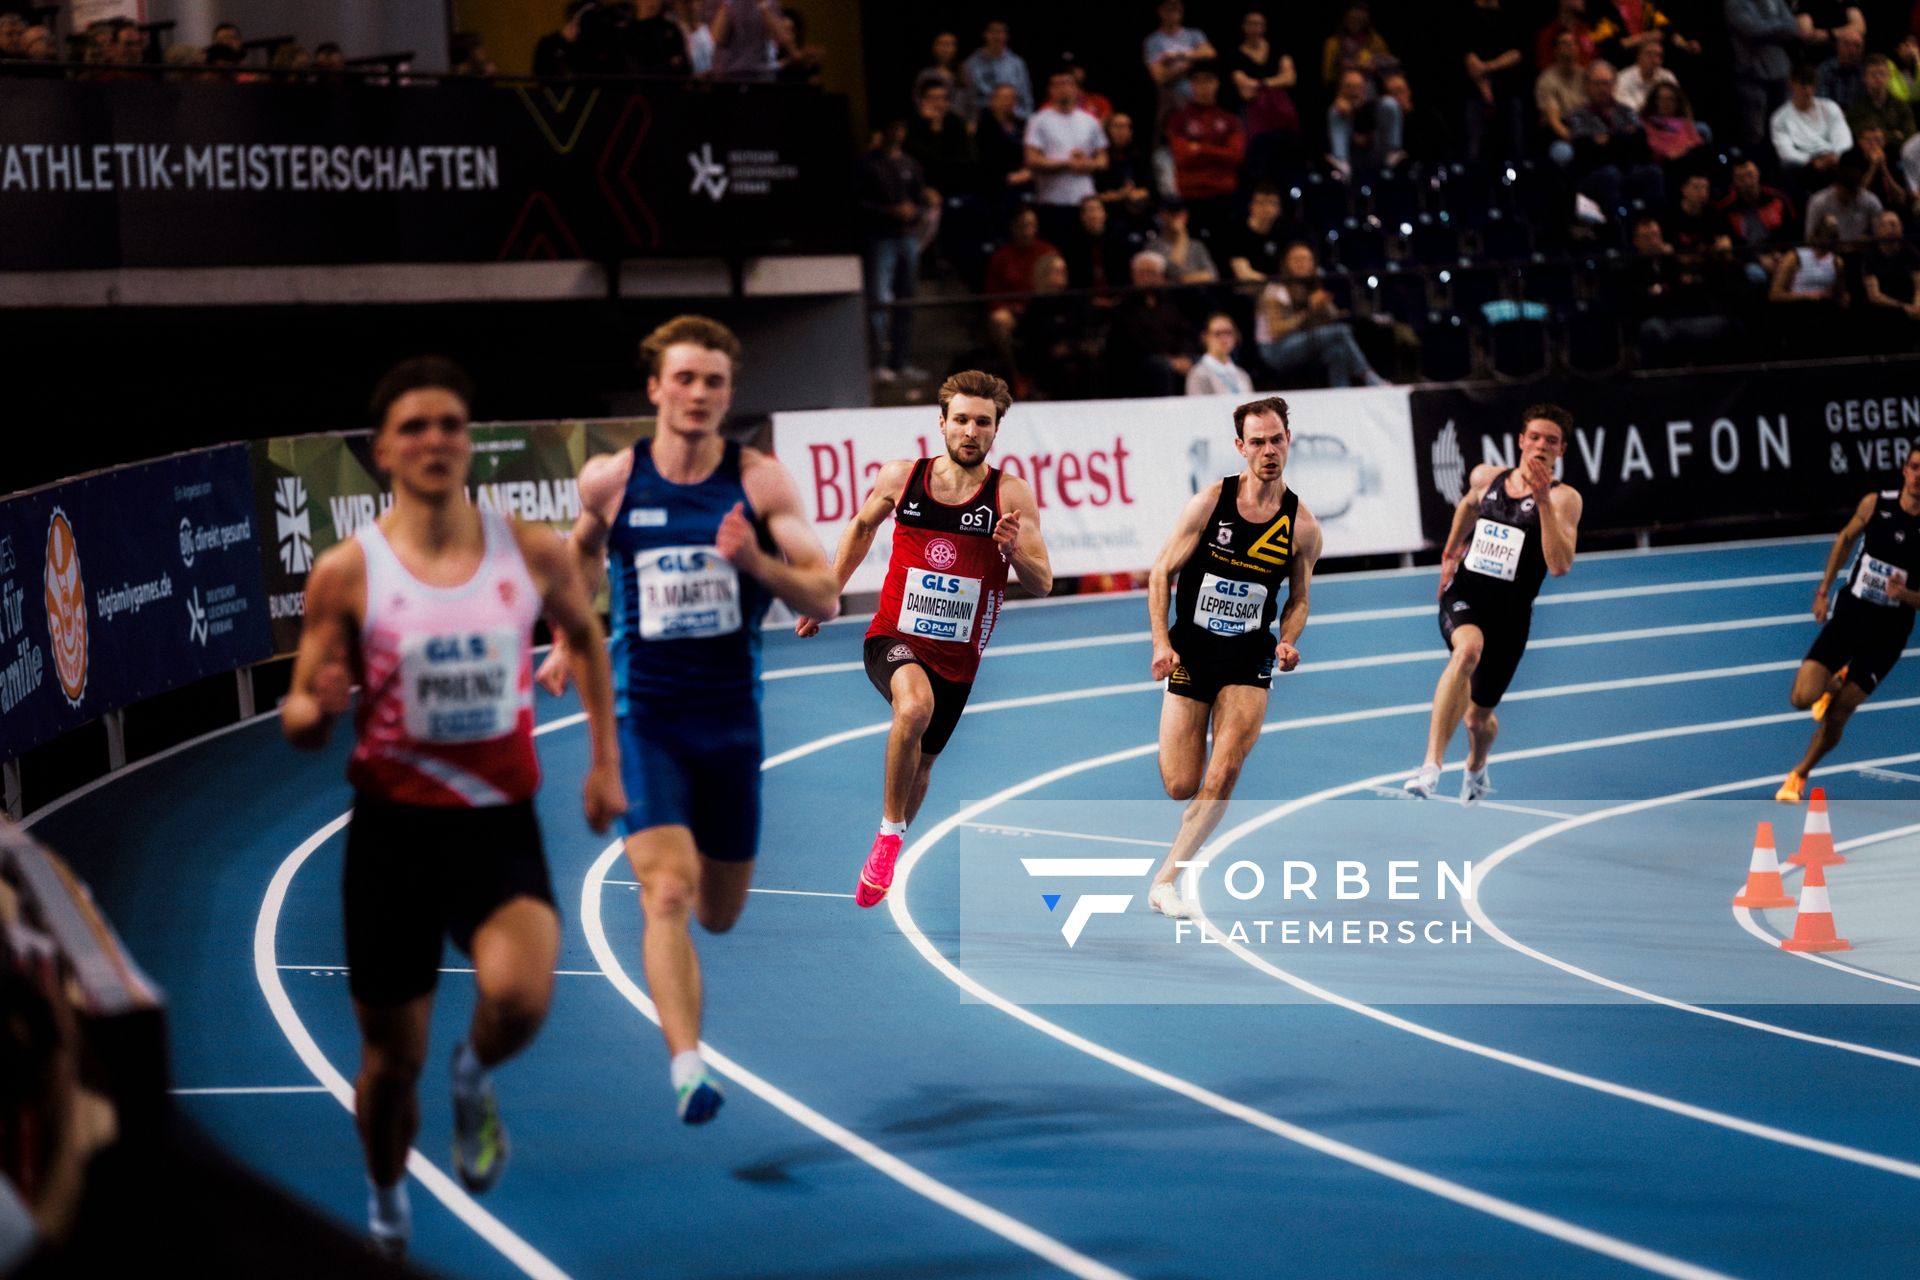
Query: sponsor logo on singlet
[[942, 554], [939, 606], [1495, 552]]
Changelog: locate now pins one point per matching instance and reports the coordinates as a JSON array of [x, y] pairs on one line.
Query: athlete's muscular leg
[[386, 1107], [917, 795], [1237, 714], [1183, 744], [667, 866], [1812, 680], [1826, 734], [1482, 728], [513, 954], [912, 710], [723, 892], [1450, 695]]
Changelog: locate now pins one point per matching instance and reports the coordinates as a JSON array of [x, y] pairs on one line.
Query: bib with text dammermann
[[686, 593], [462, 687], [1495, 551], [939, 606], [1878, 582], [1229, 607]]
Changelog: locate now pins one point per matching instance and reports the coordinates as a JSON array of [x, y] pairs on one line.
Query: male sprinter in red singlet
[[1871, 620], [697, 536], [1513, 527], [957, 526], [1238, 541], [431, 609]]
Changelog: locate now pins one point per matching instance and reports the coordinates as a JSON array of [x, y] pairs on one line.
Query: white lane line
[[1890, 775], [234, 1090], [1506, 1210], [340, 968], [1745, 916], [789, 893], [983, 1215], [1065, 835]]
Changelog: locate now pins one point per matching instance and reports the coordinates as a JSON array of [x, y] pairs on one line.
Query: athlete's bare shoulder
[[338, 580], [603, 479], [1481, 478]]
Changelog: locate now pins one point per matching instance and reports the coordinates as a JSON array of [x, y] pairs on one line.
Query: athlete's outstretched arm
[[857, 538], [1454, 549], [322, 687], [603, 479], [1842, 552], [802, 580], [1173, 557], [569, 610], [1559, 510], [1293, 614], [1018, 536]]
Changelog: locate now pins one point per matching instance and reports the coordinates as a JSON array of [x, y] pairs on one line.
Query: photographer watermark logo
[[1089, 905]]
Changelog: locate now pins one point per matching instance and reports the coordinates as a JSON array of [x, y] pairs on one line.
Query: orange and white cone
[[1763, 875], [1816, 842], [1813, 924]]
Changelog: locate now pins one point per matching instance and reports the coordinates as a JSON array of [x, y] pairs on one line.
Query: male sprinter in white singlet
[[698, 535], [431, 609], [1238, 541]]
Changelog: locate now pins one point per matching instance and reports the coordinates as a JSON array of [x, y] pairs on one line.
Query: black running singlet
[[1889, 553], [1229, 588], [1504, 563]]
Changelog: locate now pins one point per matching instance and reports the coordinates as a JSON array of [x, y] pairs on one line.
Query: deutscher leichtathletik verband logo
[[66, 607]]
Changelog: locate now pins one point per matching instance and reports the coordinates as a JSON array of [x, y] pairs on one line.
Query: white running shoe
[[1165, 899], [1475, 787], [1422, 783]]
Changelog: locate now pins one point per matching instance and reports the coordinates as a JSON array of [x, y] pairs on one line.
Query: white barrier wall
[[1110, 476]]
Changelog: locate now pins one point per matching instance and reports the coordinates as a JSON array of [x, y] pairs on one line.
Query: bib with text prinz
[[1228, 606], [1495, 551], [461, 687], [686, 593], [939, 606]]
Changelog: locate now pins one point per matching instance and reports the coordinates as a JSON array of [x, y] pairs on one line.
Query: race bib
[[939, 606], [461, 686], [1495, 551], [687, 593], [1876, 581], [1227, 607]]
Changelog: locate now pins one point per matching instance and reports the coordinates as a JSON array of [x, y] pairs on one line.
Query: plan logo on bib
[[66, 598]]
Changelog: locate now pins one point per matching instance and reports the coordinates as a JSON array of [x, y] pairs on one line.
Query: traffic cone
[[1763, 875], [1816, 842], [1813, 924]]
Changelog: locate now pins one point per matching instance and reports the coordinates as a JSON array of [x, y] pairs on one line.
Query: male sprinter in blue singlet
[[697, 535]]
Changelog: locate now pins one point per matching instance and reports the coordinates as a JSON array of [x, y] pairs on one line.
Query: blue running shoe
[[700, 1099]]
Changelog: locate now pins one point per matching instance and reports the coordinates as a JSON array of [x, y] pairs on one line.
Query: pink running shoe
[[877, 876]]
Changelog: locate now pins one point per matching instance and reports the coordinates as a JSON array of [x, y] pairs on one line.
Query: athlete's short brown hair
[[701, 331], [978, 383], [419, 374], [1550, 413], [1253, 408]]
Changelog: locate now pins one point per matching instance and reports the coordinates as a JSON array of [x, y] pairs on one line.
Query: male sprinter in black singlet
[[1238, 541], [1870, 622], [1514, 527]]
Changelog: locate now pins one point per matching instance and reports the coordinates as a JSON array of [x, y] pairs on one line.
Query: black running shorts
[[1864, 638], [886, 655], [416, 875], [1505, 640], [1207, 665]]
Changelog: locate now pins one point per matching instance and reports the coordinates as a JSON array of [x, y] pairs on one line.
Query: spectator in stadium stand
[[1680, 315], [1424, 136], [1672, 132], [1170, 52], [1904, 66], [1890, 285], [37, 45], [1809, 134], [1215, 373], [1822, 21], [223, 62], [1056, 346], [1262, 79], [185, 63], [1208, 144], [1876, 105], [1842, 79], [1881, 174], [13, 30], [1253, 67], [1851, 208], [1764, 37], [469, 56], [937, 137], [744, 33], [1298, 328], [125, 52], [1124, 184], [291, 64], [1096, 104], [1571, 20], [656, 45], [1609, 155], [1065, 147], [1694, 224], [892, 196], [1188, 261], [1010, 273], [1648, 68], [945, 68], [1000, 140], [690, 17], [1560, 90], [227, 36], [559, 53], [328, 63], [993, 64], [1621, 28], [1496, 81], [1255, 249], [1762, 219], [1149, 346], [1355, 46], [798, 62], [1097, 250], [1362, 133], [1810, 287]]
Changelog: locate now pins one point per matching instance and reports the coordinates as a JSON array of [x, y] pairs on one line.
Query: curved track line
[[1744, 916]]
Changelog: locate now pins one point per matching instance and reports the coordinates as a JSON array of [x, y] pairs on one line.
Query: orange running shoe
[[1789, 792], [1826, 699], [877, 876]]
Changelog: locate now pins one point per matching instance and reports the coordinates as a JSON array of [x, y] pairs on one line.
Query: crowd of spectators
[[1218, 193], [122, 49]]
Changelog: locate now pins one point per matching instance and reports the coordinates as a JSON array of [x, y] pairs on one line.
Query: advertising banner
[[1659, 452], [1110, 476], [96, 175], [122, 585], [312, 491]]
